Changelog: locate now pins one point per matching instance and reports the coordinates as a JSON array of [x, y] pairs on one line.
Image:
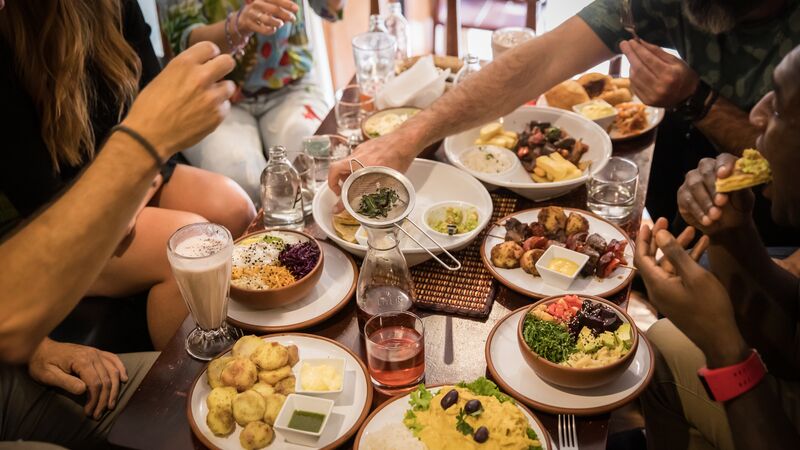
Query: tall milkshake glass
[[200, 257]]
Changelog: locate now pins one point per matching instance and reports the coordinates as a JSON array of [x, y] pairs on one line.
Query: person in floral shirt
[[278, 100]]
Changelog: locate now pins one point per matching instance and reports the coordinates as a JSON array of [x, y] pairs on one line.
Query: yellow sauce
[[595, 111], [563, 266]]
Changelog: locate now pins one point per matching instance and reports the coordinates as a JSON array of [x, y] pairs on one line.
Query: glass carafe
[[384, 283]]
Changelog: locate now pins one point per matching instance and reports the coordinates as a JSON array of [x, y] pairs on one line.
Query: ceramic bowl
[[571, 377], [276, 298]]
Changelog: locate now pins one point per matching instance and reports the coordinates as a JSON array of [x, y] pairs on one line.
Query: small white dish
[[606, 120], [438, 211], [504, 159], [295, 402], [338, 371], [555, 278]]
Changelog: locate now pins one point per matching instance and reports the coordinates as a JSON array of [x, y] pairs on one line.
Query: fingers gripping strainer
[[368, 180]]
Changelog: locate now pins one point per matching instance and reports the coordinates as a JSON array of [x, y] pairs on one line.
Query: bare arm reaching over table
[[518, 76], [51, 261], [728, 127]]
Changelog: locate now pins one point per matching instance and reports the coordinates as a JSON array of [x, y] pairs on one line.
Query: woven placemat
[[469, 291]]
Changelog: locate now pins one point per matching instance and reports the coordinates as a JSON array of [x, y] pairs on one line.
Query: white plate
[[350, 408], [654, 117], [395, 409], [434, 182], [332, 292], [514, 376], [518, 179], [526, 284]]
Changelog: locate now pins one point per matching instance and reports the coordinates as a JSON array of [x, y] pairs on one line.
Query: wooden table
[[155, 417]]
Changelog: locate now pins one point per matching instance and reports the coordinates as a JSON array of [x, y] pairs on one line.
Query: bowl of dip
[[267, 273], [449, 219], [559, 266], [302, 418], [599, 111], [488, 159], [385, 121]]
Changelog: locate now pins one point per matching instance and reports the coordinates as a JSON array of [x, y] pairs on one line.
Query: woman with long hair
[[69, 69]]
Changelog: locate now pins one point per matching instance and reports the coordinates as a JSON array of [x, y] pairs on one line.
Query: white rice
[[487, 160], [393, 437]]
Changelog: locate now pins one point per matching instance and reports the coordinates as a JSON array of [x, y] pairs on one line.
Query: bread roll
[[566, 95], [617, 96], [621, 83], [595, 83]]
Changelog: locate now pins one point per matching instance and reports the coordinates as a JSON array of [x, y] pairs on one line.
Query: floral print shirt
[[270, 62]]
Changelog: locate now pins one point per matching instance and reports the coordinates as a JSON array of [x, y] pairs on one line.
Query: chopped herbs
[[549, 340], [462, 425], [379, 203]]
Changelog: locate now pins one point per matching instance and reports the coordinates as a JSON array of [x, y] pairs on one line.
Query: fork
[[567, 432], [626, 17]]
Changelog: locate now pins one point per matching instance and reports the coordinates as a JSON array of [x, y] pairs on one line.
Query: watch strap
[[726, 383], [697, 106]]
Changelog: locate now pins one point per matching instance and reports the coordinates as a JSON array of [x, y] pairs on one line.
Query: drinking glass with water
[[611, 192]]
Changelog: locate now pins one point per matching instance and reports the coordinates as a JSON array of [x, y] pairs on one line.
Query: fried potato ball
[[286, 385], [263, 389], [576, 223], [271, 356], [294, 355], [221, 397], [248, 406], [256, 435], [529, 259], [274, 404], [240, 373], [506, 255], [272, 377], [553, 219], [215, 371], [247, 345], [220, 421]]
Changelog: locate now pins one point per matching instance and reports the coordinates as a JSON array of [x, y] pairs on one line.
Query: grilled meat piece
[[516, 231], [536, 229], [591, 265], [596, 242]]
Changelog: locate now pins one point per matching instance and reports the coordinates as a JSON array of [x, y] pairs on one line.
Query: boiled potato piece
[[263, 389], [247, 345], [294, 355], [480, 141], [220, 421], [500, 141], [272, 377], [539, 179], [256, 435], [274, 404], [240, 373], [221, 397], [271, 356], [555, 170], [214, 371], [248, 406], [510, 134], [286, 385], [491, 130], [506, 255]]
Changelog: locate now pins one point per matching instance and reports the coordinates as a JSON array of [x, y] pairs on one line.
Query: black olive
[[449, 399], [472, 406], [481, 435]]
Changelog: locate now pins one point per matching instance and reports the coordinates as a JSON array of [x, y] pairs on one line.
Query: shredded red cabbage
[[300, 258]]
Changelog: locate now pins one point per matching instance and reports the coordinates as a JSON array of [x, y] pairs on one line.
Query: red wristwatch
[[726, 383]]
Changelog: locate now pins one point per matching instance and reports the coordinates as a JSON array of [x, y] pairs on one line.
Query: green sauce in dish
[[306, 421]]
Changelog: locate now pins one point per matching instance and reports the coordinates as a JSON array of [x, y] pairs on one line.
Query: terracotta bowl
[[429, 150], [571, 377], [277, 298]]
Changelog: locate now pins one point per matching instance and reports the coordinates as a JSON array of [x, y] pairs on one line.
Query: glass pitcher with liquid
[[384, 282]]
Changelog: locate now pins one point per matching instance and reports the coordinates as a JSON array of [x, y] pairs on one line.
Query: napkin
[[418, 86]]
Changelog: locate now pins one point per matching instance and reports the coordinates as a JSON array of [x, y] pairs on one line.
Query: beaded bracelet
[[245, 39], [228, 37]]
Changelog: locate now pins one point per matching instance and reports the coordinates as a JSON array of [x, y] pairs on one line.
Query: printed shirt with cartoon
[[270, 62], [738, 64]]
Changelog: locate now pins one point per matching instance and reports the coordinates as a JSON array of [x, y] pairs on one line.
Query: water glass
[[306, 168], [374, 55], [351, 108], [395, 350], [325, 149], [611, 192], [200, 257]]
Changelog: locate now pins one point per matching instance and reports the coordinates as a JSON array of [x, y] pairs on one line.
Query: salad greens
[[420, 398], [549, 340], [482, 386], [378, 204]]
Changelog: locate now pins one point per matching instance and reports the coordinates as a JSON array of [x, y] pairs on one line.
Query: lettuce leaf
[[482, 386], [410, 421], [420, 398], [532, 435]]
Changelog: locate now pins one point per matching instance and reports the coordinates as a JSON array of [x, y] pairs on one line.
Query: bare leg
[[143, 265], [213, 196]]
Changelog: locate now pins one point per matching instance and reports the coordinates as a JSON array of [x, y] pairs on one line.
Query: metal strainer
[[368, 180]]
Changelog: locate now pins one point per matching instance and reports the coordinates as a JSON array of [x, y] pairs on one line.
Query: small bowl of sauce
[[559, 267], [599, 111], [302, 418]]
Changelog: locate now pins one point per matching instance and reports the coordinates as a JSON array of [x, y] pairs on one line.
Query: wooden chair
[[481, 14]]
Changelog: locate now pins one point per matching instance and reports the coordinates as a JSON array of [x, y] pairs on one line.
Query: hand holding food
[[706, 209], [658, 78], [749, 170]]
